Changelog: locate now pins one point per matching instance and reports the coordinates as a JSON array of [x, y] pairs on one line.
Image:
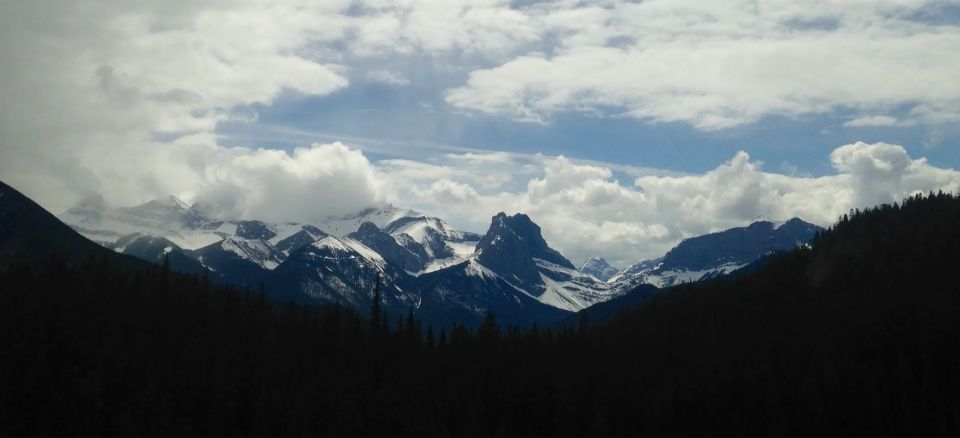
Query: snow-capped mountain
[[342, 225], [514, 258], [445, 274], [715, 254], [218, 245], [170, 218], [335, 260], [598, 268], [423, 262]]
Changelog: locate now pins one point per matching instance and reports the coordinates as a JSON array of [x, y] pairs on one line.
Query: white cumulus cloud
[[585, 211], [305, 186]]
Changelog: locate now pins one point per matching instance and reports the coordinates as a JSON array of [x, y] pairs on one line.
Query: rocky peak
[[510, 247], [598, 268], [519, 234]]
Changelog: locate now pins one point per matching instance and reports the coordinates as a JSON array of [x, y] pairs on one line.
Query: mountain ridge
[[420, 259]]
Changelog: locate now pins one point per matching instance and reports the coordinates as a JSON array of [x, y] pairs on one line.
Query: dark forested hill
[[856, 335]]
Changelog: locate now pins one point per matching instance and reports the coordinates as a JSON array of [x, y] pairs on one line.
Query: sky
[[620, 127]]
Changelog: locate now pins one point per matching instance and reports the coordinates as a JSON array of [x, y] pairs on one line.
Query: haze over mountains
[[446, 275]]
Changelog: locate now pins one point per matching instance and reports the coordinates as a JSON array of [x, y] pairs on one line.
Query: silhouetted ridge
[[30, 233]]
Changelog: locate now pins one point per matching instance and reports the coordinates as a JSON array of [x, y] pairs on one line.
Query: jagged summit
[[513, 264], [516, 237]]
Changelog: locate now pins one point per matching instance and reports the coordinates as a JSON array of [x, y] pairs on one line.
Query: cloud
[[388, 77], [487, 27], [445, 191], [124, 99], [723, 65], [883, 172], [585, 211], [872, 121], [305, 186]]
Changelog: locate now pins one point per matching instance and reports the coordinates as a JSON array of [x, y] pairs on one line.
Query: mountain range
[[445, 275]]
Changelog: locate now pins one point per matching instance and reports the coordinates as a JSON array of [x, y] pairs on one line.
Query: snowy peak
[[340, 226], [598, 268], [417, 227], [515, 250], [433, 240]]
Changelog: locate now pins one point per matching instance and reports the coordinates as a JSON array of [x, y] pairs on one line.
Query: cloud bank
[[124, 99], [584, 210], [727, 63]]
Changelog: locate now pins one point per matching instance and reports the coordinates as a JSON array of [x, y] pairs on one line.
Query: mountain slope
[[28, 233], [598, 268], [385, 245], [510, 248], [714, 254], [515, 274], [344, 271], [466, 292], [852, 335], [434, 241], [158, 250]]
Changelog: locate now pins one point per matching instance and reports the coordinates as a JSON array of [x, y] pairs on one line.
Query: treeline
[[856, 335]]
